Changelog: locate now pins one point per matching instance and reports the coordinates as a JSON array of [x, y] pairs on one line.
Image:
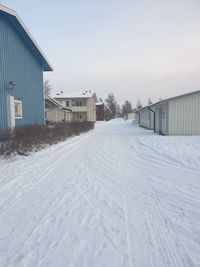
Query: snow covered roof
[[168, 99], [174, 97], [139, 109], [53, 103], [23, 31], [99, 104], [84, 94]]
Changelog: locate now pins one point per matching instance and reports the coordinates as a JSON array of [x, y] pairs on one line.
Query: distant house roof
[[139, 109], [99, 104], [53, 103], [22, 30], [71, 95]]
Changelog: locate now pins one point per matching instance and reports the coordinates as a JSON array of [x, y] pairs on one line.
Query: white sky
[[135, 49]]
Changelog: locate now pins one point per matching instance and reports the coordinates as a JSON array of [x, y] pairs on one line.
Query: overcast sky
[[133, 48]]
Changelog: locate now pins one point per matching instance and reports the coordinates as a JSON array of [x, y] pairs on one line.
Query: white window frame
[[20, 109]]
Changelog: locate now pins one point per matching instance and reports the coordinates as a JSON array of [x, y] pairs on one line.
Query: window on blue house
[[18, 109]]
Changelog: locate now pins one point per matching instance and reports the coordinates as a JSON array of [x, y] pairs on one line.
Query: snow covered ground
[[116, 196]]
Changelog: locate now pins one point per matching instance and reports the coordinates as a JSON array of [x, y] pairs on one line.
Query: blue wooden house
[[21, 73]]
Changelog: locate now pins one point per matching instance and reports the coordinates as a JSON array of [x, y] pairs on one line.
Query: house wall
[[68, 116], [161, 118], [146, 118], [100, 112], [18, 64], [57, 115], [91, 109], [184, 115], [131, 116], [74, 104], [86, 112], [137, 118], [80, 116]]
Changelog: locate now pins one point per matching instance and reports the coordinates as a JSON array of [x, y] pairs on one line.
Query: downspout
[[154, 119], [139, 116]]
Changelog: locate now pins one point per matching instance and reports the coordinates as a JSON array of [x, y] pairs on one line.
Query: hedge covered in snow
[[24, 139]]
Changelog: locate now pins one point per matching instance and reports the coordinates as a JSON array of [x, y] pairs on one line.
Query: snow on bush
[[24, 139]]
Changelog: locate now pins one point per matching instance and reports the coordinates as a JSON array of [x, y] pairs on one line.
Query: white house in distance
[[131, 115], [82, 105], [55, 112]]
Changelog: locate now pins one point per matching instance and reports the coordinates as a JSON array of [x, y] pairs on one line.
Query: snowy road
[[116, 196]]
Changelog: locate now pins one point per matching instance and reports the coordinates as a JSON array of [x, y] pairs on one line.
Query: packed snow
[[119, 195]]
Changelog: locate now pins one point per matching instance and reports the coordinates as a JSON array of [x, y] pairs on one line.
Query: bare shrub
[[24, 139]]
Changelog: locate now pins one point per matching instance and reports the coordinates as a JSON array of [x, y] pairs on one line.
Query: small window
[[83, 103], [67, 103], [18, 109]]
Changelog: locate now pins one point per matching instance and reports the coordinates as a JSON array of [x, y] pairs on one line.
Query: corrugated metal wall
[[137, 117], [146, 118], [161, 122], [19, 65], [184, 115]]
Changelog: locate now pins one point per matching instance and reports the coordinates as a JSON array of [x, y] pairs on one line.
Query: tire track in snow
[[161, 220], [19, 172], [45, 195], [121, 205], [148, 153], [113, 211], [109, 156], [168, 251], [127, 223], [46, 170]]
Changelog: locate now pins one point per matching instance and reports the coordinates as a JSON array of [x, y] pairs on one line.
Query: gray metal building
[[178, 115], [145, 117]]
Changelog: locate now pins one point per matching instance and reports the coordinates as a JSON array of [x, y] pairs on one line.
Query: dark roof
[[26, 36]]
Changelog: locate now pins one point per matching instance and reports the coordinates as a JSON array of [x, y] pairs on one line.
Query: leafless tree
[[149, 101], [139, 104], [47, 88]]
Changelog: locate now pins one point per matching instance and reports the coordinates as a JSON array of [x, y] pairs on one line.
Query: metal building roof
[[178, 96], [21, 28], [168, 99]]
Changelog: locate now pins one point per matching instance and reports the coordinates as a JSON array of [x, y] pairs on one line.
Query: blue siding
[[17, 63]]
